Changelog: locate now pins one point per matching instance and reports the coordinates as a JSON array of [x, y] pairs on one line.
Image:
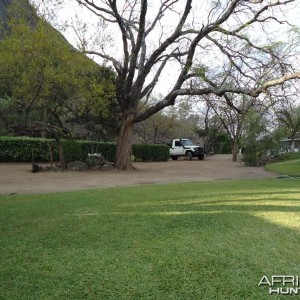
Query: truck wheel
[[189, 155], [201, 157], [174, 157]]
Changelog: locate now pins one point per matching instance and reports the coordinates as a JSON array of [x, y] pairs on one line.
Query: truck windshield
[[186, 143]]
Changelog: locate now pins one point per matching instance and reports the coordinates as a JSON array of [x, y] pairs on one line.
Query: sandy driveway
[[17, 178]]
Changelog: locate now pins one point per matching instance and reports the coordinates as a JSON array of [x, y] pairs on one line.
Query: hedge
[[151, 152], [288, 156], [108, 150], [19, 149]]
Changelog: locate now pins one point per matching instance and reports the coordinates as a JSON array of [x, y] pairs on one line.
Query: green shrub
[[72, 150], [91, 162], [288, 156], [255, 155], [19, 149], [108, 150], [151, 152]]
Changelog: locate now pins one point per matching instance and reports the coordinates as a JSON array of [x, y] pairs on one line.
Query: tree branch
[[168, 100]]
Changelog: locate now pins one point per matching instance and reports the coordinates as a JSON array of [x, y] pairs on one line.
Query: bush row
[[288, 156], [20, 149], [147, 152]]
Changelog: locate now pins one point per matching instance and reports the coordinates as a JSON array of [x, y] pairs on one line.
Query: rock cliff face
[[13, 9], [3, 8], [3, 16]]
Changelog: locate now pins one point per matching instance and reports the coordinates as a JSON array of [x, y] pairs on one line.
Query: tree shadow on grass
[[180, 248], [222, 250]]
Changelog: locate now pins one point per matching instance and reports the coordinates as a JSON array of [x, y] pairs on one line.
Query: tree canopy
[[44, 80]]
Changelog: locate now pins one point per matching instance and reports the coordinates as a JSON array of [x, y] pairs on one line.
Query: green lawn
[[206, 240], [290, 167]]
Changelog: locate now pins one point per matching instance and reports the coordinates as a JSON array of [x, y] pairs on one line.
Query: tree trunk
[[123, 153], [292, 147], [235, 149], [50, 146], [62, 161]]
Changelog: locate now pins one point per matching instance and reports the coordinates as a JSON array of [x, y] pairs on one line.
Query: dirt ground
[[16, 178]]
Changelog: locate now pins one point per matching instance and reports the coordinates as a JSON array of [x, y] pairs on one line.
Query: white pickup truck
[[185, 147]]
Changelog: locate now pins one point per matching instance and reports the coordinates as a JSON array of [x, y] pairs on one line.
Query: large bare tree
[[200, 38]]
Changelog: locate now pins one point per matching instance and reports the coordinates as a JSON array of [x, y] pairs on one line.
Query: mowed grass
[[206, 240], [290, 167]]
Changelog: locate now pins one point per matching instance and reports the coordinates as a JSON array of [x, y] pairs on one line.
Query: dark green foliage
[[19, 149], [108, 150], [259, 143], [223, 143], [151, 152], [255, 155], [258, 152], [79, 150], [288, 156], [72, 151], [217, 141]]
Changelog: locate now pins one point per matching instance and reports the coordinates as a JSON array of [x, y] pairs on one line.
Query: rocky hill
[[13, 9]]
